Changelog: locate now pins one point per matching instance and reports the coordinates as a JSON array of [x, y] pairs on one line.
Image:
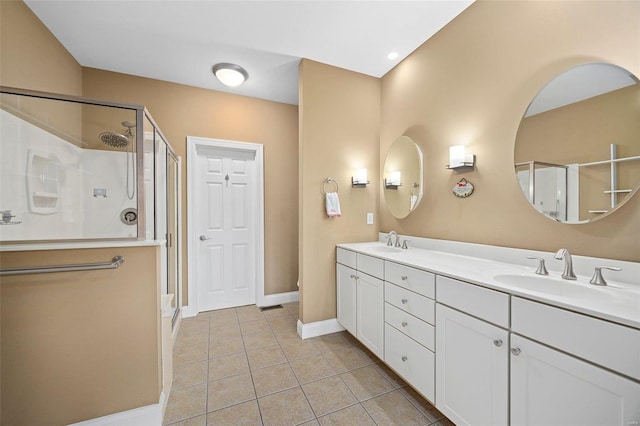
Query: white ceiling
[[180, 40]]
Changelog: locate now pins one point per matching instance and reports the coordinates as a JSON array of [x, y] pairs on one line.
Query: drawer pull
[[404, 359], [353, 276], [497, 342], [404, 301], [404, 278], [515, 351], [404, 323]]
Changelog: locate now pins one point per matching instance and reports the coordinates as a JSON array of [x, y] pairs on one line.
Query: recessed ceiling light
[[231, 75], [393, 55]]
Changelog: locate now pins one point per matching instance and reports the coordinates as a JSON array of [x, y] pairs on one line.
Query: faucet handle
[[542, 269], [404, 244], [597, 278], [389, 243]]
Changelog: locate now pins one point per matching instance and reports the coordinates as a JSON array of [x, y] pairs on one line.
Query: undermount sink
[[386, 249], [554, 286]]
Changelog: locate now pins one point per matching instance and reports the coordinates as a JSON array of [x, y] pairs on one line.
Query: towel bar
[[115, 262]]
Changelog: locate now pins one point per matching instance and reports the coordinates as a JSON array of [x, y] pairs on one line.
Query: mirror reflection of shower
[[126, 140]]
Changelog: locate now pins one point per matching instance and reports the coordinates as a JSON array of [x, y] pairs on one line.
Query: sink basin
[[555, 286], [386, 249]]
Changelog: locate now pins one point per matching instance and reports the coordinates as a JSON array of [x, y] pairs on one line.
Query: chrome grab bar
[[115, 262]]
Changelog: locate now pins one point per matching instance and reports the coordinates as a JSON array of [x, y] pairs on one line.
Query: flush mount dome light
[[230, 74]]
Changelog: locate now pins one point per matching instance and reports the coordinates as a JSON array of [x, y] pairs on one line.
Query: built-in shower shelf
[[42, 182], [45, 194]]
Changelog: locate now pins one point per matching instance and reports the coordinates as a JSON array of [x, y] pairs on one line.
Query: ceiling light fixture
[[231, 75], [393, 55]]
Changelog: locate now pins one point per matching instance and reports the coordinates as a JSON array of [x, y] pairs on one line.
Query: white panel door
[[225, 215], [551, 388], [346, 289], [370, 313], [472, 369]]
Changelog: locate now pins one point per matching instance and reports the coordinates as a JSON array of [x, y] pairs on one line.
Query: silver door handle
[[203, 238]]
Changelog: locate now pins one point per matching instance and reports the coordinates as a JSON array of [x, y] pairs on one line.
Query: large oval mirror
[[402, 177], [577, 151]]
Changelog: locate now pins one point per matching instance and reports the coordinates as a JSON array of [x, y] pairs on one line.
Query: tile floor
[[244, 366]]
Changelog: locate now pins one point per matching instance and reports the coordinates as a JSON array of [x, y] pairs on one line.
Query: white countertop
[[618, 302]]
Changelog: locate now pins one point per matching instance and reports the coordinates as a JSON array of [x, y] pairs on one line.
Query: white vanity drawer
[[412, 361], [413, 303], [422, 332], [413, 279], [346, 257], [370, 265], [614, 346], [489, 305]]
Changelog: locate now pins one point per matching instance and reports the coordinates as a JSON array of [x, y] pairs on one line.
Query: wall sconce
[[459, 159], [394, 180], [360, 179]]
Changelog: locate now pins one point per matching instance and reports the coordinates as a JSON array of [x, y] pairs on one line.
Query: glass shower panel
[[67, 170], [173, 239], [545, 186], [150, 149]]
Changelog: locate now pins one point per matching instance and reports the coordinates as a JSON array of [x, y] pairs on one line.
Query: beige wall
[[471, 83], [339, 133], [582, 133], [76, 345], [79, 345], [182, 111]]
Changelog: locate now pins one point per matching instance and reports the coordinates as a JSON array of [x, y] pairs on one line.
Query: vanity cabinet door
[[346, 303], [552, 388], [472, 369], [370, 313]]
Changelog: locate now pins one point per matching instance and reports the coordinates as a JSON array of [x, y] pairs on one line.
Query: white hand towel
[[333, 204]]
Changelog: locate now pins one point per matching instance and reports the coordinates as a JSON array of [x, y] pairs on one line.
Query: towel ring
[[329, 181], [415, 185]]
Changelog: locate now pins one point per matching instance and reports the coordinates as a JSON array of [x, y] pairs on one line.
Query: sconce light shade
[[459, 158], [360, 179], [231, 75], [394, 181]]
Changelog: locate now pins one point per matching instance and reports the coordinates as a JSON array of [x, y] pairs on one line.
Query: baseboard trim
[[149, 415], [278, 299], [318, 328]]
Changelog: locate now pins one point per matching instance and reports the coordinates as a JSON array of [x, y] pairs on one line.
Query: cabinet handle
[[515, 351], [353, 276], [497, 342], [404, 278], [404, 359], [404, 301], [404, 323]]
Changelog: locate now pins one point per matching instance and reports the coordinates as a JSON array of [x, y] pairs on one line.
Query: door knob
[[203, 238]]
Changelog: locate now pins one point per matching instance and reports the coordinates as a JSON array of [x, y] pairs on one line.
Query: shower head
[[114, 140]]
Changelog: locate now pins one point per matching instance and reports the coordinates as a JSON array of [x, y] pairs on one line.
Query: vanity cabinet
[[360, 298], [472, 363], [409, 314], [553, 387]]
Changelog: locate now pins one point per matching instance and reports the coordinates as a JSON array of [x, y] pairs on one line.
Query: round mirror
[[402, 177], [577, 151]]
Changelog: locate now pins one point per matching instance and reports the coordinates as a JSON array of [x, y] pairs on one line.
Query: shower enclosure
[[545, 186], [86, 171]]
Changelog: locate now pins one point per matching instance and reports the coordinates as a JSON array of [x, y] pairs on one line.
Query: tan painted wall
[[31, 58], [582, 133], [182, 111], [79, 345], [339, 119], [471, 83]]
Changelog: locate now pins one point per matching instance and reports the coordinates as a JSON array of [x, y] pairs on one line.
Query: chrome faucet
[[392, 233], [567, 273]]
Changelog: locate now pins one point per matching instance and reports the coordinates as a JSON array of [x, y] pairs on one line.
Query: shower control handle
[[204, 238]]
